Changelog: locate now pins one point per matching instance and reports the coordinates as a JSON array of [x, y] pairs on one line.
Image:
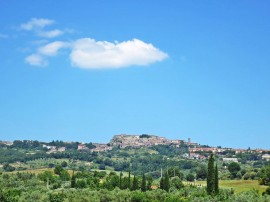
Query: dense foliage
[[129, 174], [100, 186]]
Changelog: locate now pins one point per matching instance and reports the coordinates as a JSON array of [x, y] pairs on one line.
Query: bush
[[190, 177], [8, 168], [267, 191], [80, 184], [56, 197], [246, 176], [138, 196], [64, 164], [177, 183], [234, 169]]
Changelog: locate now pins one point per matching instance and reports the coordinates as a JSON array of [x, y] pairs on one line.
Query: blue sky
[[87, 70]]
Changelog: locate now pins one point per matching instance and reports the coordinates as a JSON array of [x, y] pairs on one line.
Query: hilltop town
[[122, 141], [195, 149], [151, 155]]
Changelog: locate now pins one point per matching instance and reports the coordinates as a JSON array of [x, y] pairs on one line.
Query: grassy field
[[34, 171], [238, 185], [41, 170]]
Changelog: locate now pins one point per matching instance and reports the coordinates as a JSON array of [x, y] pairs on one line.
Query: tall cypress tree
[[149, 182], [135, 184], [166, 182], [129, 180], [143, 186], [161, 183], [210, 175], [120, 180], [73, 181], [216, 186]]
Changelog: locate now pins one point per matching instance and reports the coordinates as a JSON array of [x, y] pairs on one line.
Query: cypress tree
[[166, 182], [216, 187], [161, 183], [120, 180], [73, 181], [210, 175], [143, 186], [135, 184], [129, 180], [149, 182]]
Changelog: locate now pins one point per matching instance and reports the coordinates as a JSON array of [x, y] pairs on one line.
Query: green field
[[238, 185]]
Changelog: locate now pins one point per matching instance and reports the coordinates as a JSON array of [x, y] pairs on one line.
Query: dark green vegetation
[[30, 173], [102, 186], [212, 177]]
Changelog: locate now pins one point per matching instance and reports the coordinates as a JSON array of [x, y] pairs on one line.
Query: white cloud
[[50, 34], [52, 49], [90, 54], [36, 60], [36, 23], [87, 52]]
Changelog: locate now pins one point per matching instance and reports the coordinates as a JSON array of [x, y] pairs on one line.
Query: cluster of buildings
[[219, 150], [196, 151], [124, 141], [98, 147], [53, 149], [8, 143]]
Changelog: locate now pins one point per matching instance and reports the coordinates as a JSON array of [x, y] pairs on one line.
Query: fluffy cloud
[[90, 54], [36, 60], [49, 50], [36, 23], [52, 49], [50, 34]]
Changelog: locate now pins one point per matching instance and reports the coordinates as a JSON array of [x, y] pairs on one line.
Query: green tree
[[201, 172], [234, 168], [149, 182], [216, 185], [135, 184], [120, 180], [47, 176], [265, 176], [64, 164], [267, 191], [175, 171], [73, 181], [143, 186], [129, 180], [166, 182], [56, 197], [210, 175], [8, 168], [161, 183], [125, 183], [58, 169], [190, 177], [177, 183], [81, 184], [64, 175]]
